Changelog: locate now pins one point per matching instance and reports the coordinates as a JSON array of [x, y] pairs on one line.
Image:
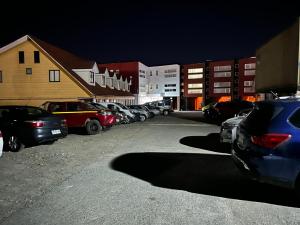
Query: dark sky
[[153, 32]]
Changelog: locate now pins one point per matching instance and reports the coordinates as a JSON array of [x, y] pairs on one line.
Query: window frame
[[54, 76]]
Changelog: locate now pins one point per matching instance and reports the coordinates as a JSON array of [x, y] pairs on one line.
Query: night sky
[[153, 32]]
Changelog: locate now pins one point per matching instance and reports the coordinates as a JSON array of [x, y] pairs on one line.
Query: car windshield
[[121, 105], [98, 106]]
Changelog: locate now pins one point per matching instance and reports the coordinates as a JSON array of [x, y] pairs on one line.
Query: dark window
[[92, 77], [73, 106], [1, 79], [295, 118], [54, 76], [28, 71], [21, 57], [36, 56], [57, 107]]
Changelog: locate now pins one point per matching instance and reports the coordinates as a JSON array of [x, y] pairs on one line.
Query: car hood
[[234, 120]]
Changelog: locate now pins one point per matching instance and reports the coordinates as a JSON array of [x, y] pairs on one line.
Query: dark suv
[[267, 145], [80, 114], [225, 110]]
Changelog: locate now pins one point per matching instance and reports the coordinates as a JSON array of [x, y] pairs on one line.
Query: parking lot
[[166, 170]]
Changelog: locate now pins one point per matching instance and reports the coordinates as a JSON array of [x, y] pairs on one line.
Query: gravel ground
[[167, 170]]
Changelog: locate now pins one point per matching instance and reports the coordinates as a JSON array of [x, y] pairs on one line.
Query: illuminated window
[[249, 89], [221, 90], [222, 84], [222, 74], [195, 76], [54, 76], [195, 91], [195, 70], [222, 68], [195, 85], [248, 83], [250, 66], [249, 72]]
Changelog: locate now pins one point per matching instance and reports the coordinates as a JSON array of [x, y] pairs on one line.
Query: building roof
[[68, 61]]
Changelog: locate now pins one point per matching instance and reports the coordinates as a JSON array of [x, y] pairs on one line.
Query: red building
[[193, 86], [246, 84], [220, 80]]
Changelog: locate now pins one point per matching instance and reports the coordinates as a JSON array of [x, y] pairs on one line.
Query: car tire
[[165, 112], [142, 118], [93, 127], [14, 144]]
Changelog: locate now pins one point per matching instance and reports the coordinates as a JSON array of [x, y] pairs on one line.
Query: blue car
[[267, 145]]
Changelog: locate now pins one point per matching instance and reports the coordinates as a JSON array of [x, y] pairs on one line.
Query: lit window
[[195, 76], [195, 70], [249, 90], [222, 68], [250, 66], [222, 84], [195, 91], [195, 85], [249, 72], [221, 90], [54, 76], [222, 74], [248, 83]]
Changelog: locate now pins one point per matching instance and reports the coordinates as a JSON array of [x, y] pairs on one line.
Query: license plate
[[55, 132]]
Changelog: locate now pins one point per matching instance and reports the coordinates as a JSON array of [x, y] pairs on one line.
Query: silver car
[[228, 127]]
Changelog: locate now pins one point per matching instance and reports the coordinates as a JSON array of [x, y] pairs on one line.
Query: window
[[195, 91], [195, 85], [54, 76], [142, 76], [248, 83], [28, 71], [92, 77], [170, 90], [195, 70], [249, 72], [250, 66], [156, 73], [249, 90], [221, 90], [222, 68], [21, 57], [1, 78], [36, 55], [156, 86], [295, 118], [170, 85], [170, 75], [222, 74], [222, 84], [170, 71], [151, 73], [195, 76]]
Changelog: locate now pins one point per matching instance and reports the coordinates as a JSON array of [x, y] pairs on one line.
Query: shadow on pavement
[[214, 175], [194, 116], [210, 142]]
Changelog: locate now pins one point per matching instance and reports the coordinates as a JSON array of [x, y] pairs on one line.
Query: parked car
[[225, 110], [121, 108], [228, 127], [1, 143], [27, 125], [154, 110], [164, 107], [80, 114], [267, 143], [143, 113]]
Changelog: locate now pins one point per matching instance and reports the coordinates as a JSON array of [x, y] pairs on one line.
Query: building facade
[[33, 72], [150, 83]]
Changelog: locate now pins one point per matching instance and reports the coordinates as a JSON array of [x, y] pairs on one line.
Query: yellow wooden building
[[33, 72]]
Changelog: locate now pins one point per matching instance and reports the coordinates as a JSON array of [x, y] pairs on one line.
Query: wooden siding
[[19, 88]]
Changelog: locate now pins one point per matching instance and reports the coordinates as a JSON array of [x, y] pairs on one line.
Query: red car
[[80, 114]]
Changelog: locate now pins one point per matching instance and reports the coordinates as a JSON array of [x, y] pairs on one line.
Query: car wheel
[[93, 127], [142, 118], [14, 144], [166, 112]]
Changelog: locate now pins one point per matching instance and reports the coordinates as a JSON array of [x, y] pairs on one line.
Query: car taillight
[[35, 124], [270, 140]]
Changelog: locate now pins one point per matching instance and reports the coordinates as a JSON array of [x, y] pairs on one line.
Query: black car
[[28, 125], [224, 110]]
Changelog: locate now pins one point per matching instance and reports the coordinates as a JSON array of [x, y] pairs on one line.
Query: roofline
[[14, 43]]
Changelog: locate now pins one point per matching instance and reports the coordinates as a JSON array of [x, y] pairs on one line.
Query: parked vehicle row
[[22, 126]]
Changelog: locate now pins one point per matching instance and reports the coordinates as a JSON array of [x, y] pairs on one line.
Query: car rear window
[[295, 118], [260, 117]]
